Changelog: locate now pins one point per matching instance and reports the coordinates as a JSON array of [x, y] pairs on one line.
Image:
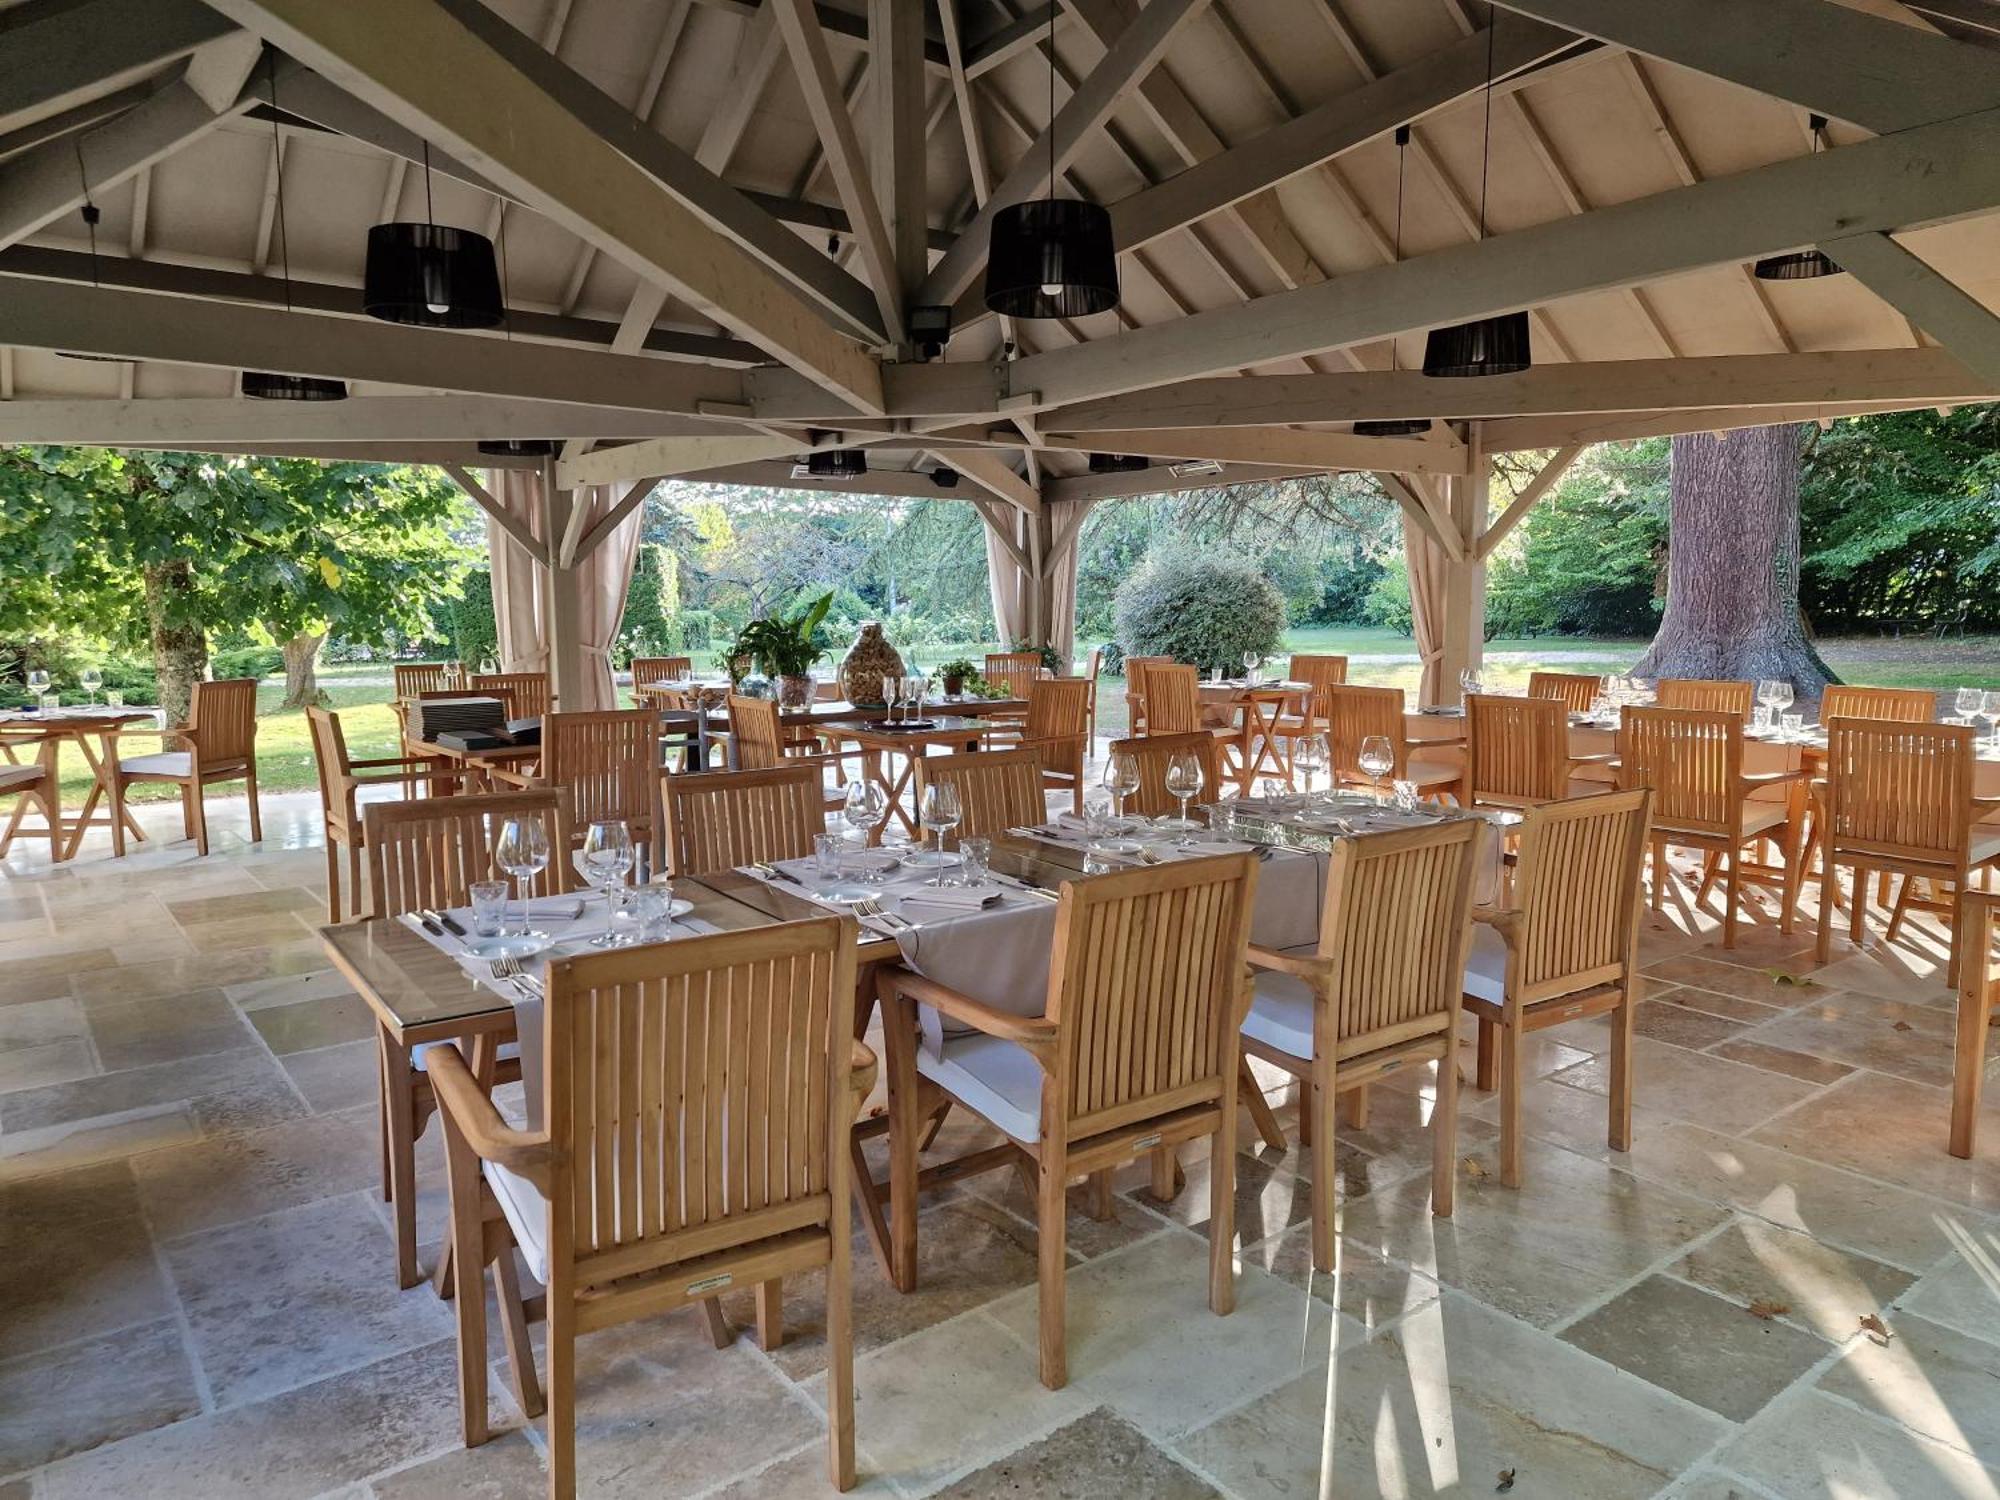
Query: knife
[[428, 925], [447, 920]]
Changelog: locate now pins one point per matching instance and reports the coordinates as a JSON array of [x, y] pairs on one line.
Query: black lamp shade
[[518, 447], [259, 385], [1118, 463], [1490, 346], [1393, 427], [1051, 258], [432, 275], [837, 463], [945, 479], [1802, 265]]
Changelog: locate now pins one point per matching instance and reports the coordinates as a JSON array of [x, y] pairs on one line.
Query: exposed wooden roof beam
[[991, 473], [1288, 446], [1909, 284], [1515, 434], [1158, 480], [226, 419], [60, 52], [670, 457], [1008, 40], [899, 140], [842, 27]]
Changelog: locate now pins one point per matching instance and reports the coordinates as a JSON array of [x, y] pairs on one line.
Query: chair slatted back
[[1578, 891], [606, 765], [222, 720], [759, 732], [331, 760], [429, 852], [1394, 930], [694, 1092], [1905, 705], [414, 677], [1903, 790], [1321, 671], [1135, 688], [1172, 699], [1576, 691], [647, 670], [1355, 713], [1154, 753], [1058, 722], [718, 820], [997, 789], [1516, 749], [1692, 759], [526, 694], [1709, 694], [1147, 987], [1015, 671]]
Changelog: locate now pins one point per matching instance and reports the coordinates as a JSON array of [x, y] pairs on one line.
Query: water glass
[[1222, 820], [115, 697], [827, 851], [640, 913], [1096, 817], [1760, 718], [51, 702], [1794, 725], [1406, 794], [974, 857], [489, 906]]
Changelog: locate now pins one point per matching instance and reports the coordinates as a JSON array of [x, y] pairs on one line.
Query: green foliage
[[781, 645], [1198, 606], [648, 626], [961, 667], [1388, 600], [247, 661], [697, 629], [470, 624], [1587, 559]]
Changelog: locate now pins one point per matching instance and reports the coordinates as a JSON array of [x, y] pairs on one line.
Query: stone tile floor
[[197, 1299]]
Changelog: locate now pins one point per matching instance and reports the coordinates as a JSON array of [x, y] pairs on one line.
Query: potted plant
[[784, 647], [955, 674]]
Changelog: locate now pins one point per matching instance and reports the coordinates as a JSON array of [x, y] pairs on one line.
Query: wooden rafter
[[1914, 288]]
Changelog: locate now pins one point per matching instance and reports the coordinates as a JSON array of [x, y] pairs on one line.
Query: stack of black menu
[[470, 723]]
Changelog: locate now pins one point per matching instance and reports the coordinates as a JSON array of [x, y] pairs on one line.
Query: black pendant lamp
[[1051, 257], [1486, 346], [1800, 265], [262, 385], [518, 448], [837, 463], [1118, 463], [430, 274], [1396, 426]]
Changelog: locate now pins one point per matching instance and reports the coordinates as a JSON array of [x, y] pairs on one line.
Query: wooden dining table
[[94, 732]]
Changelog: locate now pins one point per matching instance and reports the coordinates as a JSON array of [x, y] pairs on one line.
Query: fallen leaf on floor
[[1902, 1026], [1878, 1331], [1474, 1168], [1506, 1482], [1792, 981], [1767, 1308]]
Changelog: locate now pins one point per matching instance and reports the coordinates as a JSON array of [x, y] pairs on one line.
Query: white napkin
[[950, 897]]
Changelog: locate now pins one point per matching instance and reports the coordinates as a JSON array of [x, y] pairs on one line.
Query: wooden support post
[[1465, 595], [566, 665]]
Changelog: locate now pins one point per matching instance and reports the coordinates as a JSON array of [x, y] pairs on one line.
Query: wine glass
[[1121, 779], [92, 680], [1968, 702], [1378, 759], [1184, 781], [1310, 756], [1781, 698], [1468, 682], [941, 812], [1252, 660], [892, 694], [38, 684], [607, 856], [913, 696], [1989, 710], [523, 852], [1767, 693], [865, 805]]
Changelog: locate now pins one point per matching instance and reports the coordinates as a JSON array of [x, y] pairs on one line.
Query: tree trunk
[[180, 646], [301, 668], [1733, 564]]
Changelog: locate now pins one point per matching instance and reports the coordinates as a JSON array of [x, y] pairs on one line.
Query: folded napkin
[[950, 897]]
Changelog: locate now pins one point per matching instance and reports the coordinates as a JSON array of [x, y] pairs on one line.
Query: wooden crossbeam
[[60, 53], [1545, 480], [1909, 284], [1288, 446]]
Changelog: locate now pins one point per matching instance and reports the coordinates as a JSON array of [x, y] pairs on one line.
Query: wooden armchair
[[1356, 713], [1319, 673], [1154, 753], [1706, 695], [997, 789], [604, 764], [648, 1175], [1568, 947], [1380, 992], [718, 820], [422, 854], [757, 733], [218, 743], [1057, 729], [1905, 705], [1575, 691], [1978, 995], [1110, 1071], [1693, 761], [1135, 690], [1898, 798], [647, 670], [339, 792], [1517, 752], [414, 677], [526, 694]]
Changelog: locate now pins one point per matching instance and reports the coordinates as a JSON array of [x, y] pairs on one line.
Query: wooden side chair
[[31, 786], [1113, 1069], [1899, 798], [1317, 670], [218, 743], [428, 853], [414, 677], [526, 694], [1576, 691], [604, 764], [1706, 695], [1014, 670], [1978, 998], [1356, 713], [671, 1148], [1154, 753], [1319, 673], [997, 789], [647, 670], [718, 820], [1517, 752], [1058, 730], [339, 790], [1905, 705], [1567, 947], [1693, 761], [1135, 690], [757, 730]]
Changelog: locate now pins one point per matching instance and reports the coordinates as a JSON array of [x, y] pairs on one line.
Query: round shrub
[[1199, 608]]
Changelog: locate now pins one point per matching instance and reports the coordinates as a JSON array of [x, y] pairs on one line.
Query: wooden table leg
[[51, 761], [399, 1130]]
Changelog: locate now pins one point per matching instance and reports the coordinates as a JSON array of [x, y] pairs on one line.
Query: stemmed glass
[[1378, 759], [1310, 755], [607, 856], [940, 813], [1468, 682], [523, 852], [38, 685], [1184, 781], [1969, 702], [1121, 779], [866, 802], [913, 696], [1989, 710], [1781, 698], [892, 693], [1252, 660], [92, 680]]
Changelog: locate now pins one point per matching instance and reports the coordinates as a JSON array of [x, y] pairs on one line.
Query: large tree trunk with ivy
[[1733, 563], [301, 654], [180, 646]]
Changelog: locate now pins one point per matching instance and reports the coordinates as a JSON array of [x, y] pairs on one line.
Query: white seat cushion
[[1281, 1014], [1486, 964], [1985, 846], [527, 1213], [160, 763], [14, 778], [1431, 772], [1757, 816], [996, 1079]]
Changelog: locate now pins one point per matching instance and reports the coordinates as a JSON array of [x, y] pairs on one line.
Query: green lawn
[[360, 692]]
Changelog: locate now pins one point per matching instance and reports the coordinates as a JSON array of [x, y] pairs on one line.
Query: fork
[[506, 968], [870, 907]]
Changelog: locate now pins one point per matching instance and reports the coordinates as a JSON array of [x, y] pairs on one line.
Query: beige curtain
[[520, 587], [1007, 587], [603, 579], [1429, 578], [1062, 582]]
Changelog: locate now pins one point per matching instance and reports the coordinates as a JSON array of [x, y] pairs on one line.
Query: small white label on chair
[[713, 1284]]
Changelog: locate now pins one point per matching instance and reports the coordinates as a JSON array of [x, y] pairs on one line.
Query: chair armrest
[[1285, 963], [1033, 1032], [392, 760], [490, 1137], [1772, 778], [514, 778], [1607, 758], [1503, 920]]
